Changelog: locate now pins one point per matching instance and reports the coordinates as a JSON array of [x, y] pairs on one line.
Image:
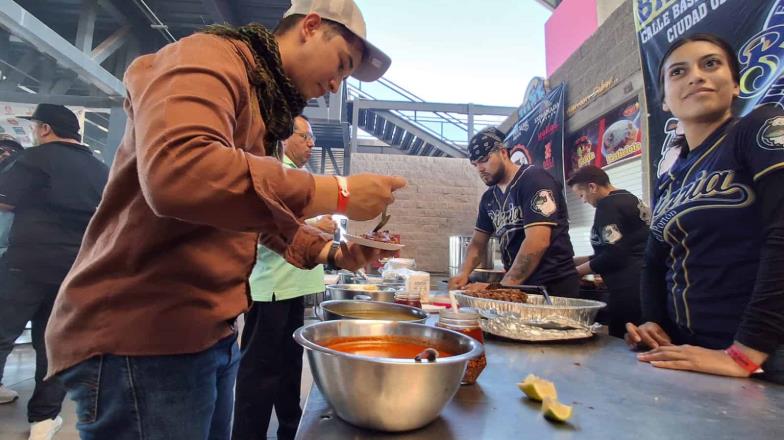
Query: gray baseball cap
[[375, 62]]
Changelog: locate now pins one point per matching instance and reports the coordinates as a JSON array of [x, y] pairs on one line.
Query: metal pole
[[346, 150], [323, 159], [355, 124], [117, 120], [470, 122]]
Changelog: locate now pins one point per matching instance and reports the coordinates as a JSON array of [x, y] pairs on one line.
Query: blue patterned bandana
[[485, 142]]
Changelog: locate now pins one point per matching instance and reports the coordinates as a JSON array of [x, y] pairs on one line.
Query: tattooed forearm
[[523, 266]]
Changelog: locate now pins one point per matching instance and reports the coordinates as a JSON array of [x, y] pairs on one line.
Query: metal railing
[[452, 128]]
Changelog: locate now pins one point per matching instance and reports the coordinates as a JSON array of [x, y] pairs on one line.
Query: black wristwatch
[[333, 250]]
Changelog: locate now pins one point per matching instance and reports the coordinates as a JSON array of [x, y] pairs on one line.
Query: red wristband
[[343, 194], [741, 359]]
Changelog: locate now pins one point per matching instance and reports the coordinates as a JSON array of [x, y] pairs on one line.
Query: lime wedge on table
[[537, 388], [556, 411]]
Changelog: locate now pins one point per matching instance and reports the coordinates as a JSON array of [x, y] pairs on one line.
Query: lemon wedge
[[537, 388], [556, 411]]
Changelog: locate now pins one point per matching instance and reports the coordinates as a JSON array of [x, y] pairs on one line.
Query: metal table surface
[[614, 397]]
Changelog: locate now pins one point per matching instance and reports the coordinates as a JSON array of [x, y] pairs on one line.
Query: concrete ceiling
[[75, 51]]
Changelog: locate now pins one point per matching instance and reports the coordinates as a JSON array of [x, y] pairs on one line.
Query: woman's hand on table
[[649, 335], [692, 358]]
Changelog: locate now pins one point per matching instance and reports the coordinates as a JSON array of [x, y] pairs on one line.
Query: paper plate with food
[[380, 240]]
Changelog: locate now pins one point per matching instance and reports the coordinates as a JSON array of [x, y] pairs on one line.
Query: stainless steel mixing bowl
[[382, 393]]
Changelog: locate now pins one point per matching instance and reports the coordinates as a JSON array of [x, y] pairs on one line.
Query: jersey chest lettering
[[509, 215], [716, 189]]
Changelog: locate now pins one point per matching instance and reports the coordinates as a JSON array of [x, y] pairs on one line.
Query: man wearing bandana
[[142, 332], [525, 208]]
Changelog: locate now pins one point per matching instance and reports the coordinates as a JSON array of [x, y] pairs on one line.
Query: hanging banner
[[755, 28], [612, 138], [538, 138], [533, 94]]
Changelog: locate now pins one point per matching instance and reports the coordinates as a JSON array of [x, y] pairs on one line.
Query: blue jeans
[[24, 299], [156, 397]]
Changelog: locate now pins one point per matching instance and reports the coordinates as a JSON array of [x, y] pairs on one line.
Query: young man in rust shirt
[[142, 330]]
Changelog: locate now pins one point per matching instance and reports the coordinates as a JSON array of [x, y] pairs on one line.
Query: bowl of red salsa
[[376, 375]]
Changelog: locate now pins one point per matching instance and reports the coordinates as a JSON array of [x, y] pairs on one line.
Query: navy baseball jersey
[[618, 237], [707, 219], [532, 198]]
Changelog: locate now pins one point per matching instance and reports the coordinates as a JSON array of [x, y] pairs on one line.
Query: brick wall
[[441, 199]]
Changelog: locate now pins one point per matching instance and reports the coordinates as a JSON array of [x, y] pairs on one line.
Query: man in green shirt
[[271, 367]]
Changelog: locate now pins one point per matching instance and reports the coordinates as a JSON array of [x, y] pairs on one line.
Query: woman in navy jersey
[[712, 286]]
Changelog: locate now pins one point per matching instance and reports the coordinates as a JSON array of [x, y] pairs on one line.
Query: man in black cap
[[53, 189], [525, 208]]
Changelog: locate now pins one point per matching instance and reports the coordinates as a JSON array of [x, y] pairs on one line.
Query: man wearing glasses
[[270, 371], [525, 208]]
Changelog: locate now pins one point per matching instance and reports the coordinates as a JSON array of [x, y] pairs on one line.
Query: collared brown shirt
[[163, 268]]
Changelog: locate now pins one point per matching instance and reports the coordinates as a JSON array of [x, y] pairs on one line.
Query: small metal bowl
[[374, 310], [371, 292]]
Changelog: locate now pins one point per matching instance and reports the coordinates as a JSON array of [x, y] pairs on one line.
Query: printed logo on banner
[[533, 94], [520, 155], [544, 203], [771, 135], [613, 137], [585, 154], [619, 141], [761, 59], [537, 139], [549, 162]]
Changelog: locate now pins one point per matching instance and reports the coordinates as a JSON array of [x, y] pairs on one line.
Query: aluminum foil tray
[[566, 318]]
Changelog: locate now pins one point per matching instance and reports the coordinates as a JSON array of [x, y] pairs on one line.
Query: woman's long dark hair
[[729, 52]]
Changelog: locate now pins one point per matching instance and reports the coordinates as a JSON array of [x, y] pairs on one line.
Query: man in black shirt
[[618, 237], [53, 189], [525, 208], [9, 151]]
